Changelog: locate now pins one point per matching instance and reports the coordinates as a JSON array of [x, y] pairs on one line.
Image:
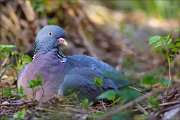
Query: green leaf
[[164, 81], [20, 114], [109, 95], [26, 59], [175, 50], [39, 80], [98, 81], [127, 94], [149, 80], [86, 103], [7, 92], [21, 92], [96, 115], [164, 51], [35, 83], [53, 21], [5, 47], [171, 45], [124, 115], [154, 39], [178, 44], [158, 43], [153, 101], [7, 68], [178, 39], [168, 39], [14, 53]]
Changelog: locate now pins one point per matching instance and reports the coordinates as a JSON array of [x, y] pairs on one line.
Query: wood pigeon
[[62, 74]]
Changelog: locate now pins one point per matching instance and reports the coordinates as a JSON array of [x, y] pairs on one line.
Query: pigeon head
[[50, 38]]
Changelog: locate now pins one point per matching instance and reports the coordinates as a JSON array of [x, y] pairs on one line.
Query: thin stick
[[161, 105], [140, 108]]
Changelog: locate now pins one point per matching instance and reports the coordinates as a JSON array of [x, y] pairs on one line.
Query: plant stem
[[33, 94], [42, 90], [169, 70], [169, 66]]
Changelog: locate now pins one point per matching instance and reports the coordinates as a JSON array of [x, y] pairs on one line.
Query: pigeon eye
[[49, 33]]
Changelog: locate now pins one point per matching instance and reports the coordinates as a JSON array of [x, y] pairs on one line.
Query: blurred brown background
[[115, 31]]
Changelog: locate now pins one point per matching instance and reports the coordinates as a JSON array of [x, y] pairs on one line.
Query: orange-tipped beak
[[62, 41]]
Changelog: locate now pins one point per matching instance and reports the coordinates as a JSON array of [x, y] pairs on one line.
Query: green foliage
[[21, 92], [86, 103], [7, 68], [149, 80], [20, 114], [164, 81], [38, 5], [140, 117], [153, 101], [124, 115], [5, 50], [35, 83], [165, 44], [156, 8], [7, 92], [26, 59], [53, 21], [22, 60], [153, 79], [158, 41], [109, 95], [125, 94], [128, 94], [96, 115], [98, 81]]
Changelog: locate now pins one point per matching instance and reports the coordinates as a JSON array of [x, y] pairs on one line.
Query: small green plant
[[124, 115], [98, 81], [38, 5], [21, 60], [120, 96], [153, 101], [109, 95], [20, 114], [169, 49], [21, 92], [7, 92], [127, 94], [86, 103], [151, 79], [7, 51], [96, 115], [35, 84]]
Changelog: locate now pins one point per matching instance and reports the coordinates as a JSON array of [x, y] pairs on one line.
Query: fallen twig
[[140, 108]]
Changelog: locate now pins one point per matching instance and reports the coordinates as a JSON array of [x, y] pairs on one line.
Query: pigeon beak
[[62, 41]]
